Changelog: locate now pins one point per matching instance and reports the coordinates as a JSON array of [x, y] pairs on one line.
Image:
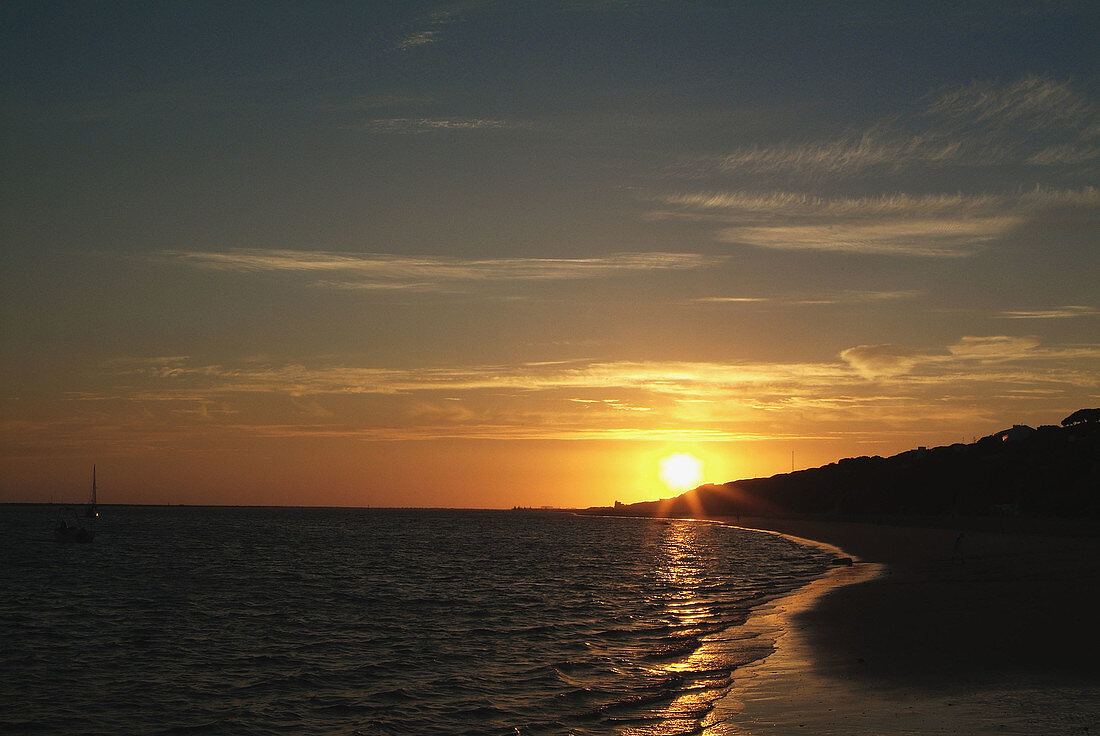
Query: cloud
[[929, 226], [749, 206], [1067, 312], [1035, 124], [545, 400], [1035, 102], [839, 155], [428, 273], [876, 361], [1035, 121], [680, 381], [936, 238], [867, 393], [420, 38], [842, 297], [1000, 347], [430, 32], [732, 300], [413, 126], [668, 378], [615, 404], [1008, 359]]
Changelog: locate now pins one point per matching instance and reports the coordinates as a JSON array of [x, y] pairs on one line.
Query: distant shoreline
[[272, 506]]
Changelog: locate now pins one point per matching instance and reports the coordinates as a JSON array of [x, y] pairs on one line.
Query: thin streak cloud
[[670, 378], [414, 126], [733, 205], [935, 226], [843, 297], [1067, 312], [839, 156], [933, 238], [387, 271]]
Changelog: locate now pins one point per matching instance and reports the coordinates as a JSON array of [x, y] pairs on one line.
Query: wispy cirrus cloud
[[936, 226], [421, 125], [732, 300], [375, 271], [1035, 102], [429, 31], [1066, 312], [1034, 124], [844, 155], [797, 205], [1035, 121], [841, 297]]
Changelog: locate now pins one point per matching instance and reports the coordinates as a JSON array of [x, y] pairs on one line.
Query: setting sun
[[681, 471]]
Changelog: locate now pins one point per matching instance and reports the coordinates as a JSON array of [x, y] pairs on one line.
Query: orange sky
[[485, 255]]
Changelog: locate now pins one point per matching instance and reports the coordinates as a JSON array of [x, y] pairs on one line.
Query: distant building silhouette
[[1018, 433]]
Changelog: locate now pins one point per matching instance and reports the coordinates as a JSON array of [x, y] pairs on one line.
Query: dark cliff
[[1052, 471]]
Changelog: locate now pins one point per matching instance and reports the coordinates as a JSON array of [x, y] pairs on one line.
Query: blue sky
[[402, 253]]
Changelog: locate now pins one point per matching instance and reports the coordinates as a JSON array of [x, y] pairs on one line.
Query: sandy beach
[[993, 635]]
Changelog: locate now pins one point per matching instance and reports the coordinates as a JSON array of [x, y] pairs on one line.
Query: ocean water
[[189, 620]]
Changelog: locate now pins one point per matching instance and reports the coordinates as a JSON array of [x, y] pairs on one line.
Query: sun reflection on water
[[689, 608]]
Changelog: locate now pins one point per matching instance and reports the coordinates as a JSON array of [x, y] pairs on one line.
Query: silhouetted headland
[[1049, 472]]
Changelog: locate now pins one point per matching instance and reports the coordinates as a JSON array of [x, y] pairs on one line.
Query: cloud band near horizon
[[879, 384]]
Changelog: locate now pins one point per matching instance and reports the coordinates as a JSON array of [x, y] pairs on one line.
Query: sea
[[363, 622]]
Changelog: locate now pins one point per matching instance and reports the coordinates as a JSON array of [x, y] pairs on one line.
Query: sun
[[681, 471]]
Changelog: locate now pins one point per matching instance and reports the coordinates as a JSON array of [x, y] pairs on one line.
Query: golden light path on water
[[683, 570], [710, 667]]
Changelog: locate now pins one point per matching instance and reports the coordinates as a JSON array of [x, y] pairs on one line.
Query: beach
[[928, 633]]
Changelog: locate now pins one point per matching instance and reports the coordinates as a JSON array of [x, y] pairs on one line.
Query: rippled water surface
[[335, 621]]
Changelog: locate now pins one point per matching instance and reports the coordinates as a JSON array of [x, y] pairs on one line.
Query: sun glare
[[681, 471]]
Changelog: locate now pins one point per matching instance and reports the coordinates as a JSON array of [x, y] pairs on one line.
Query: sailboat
[[68, 527], [90, 510]]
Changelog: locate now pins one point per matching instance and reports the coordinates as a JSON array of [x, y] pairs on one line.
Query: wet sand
[[998, 639]]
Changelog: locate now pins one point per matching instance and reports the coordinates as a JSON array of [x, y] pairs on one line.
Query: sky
[[487, 254]]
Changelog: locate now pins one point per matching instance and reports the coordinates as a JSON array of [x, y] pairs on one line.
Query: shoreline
[[915, 639]]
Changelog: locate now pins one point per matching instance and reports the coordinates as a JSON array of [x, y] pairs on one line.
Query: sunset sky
[[485, 254]]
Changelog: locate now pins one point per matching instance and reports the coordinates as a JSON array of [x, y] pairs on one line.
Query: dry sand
[[914, 639]]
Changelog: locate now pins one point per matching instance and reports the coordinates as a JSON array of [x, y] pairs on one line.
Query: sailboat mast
[[91, 511]]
